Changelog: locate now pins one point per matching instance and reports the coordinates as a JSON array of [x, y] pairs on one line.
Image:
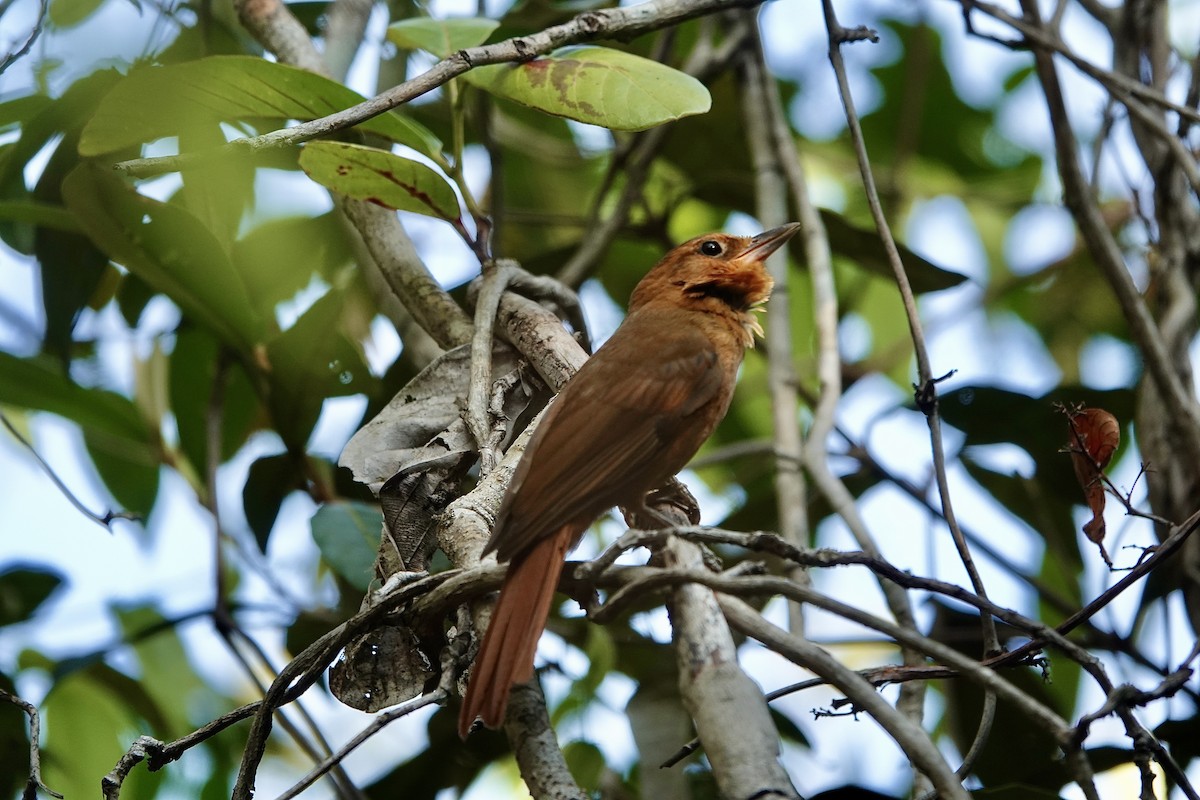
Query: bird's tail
[[506, 655]]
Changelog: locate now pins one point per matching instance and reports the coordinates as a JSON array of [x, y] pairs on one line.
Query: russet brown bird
[[632, 417]]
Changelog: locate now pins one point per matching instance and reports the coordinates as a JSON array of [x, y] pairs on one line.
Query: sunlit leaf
[[599, 86], [44, 214], [153, 102], [441, 36], [63, 14], [279, 257], [380, 177]]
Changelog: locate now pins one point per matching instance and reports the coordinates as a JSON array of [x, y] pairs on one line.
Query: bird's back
[[633, 416]]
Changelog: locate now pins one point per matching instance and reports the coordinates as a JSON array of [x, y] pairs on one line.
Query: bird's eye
[[710, 248]]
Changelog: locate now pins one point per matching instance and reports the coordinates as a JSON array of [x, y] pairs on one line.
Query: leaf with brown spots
[[1094, 436], [604, 87], [380, 177]]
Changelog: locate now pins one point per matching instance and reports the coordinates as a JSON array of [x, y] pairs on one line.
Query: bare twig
[[911, 737], [769, 151], [496, 276], [11, 58], [345, 24], [381, 721], [104, 520], [619, 23], [633, 160], [34, 783], [926, 391], [1100, 241]]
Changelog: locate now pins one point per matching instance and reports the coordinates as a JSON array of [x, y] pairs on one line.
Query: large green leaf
[[377, 176], [347, 533], [309, 362], [599, 86], [39, 384], [168, 248], [441, 36], [32, 212], [154, 102], [129, 469], [279, 258], [192, 372]]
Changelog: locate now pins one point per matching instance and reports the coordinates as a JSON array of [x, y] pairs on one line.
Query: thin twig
[[34, 783], [11, 58], [496, 275], [769, 153], [104, 520], [926, 391], [381, 721], [911, 737], [618, 23]]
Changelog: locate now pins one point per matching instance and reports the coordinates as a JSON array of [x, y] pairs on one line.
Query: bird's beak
[[767, 243]]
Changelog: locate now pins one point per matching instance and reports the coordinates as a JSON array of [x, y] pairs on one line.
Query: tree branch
[[614, 23]]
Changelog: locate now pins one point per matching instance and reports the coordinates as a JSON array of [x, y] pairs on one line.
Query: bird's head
[[716, 272]]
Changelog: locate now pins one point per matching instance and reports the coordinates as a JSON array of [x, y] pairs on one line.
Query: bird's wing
[[614, 432]]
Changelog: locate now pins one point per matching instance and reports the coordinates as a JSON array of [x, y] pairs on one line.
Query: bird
[[631, 418]]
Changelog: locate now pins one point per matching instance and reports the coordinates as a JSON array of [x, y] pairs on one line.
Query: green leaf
[[89, 716], [16, 112], [270, 481], [347, 533], [193, 368], [47, 215], [219, 194], [39, 384], [22, 590], [380, 177], [128, 468], [864, 247], [168, 248], [442, 37], [586, 763], [279, 258], [64, 14], [123, 446], [310, 361], [154, 102], [599, 86]]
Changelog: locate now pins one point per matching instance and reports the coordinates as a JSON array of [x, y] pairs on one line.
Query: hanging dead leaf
[[1094, 435], [380, 669]]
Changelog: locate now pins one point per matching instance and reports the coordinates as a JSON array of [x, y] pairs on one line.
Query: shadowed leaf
[[441, 36]]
